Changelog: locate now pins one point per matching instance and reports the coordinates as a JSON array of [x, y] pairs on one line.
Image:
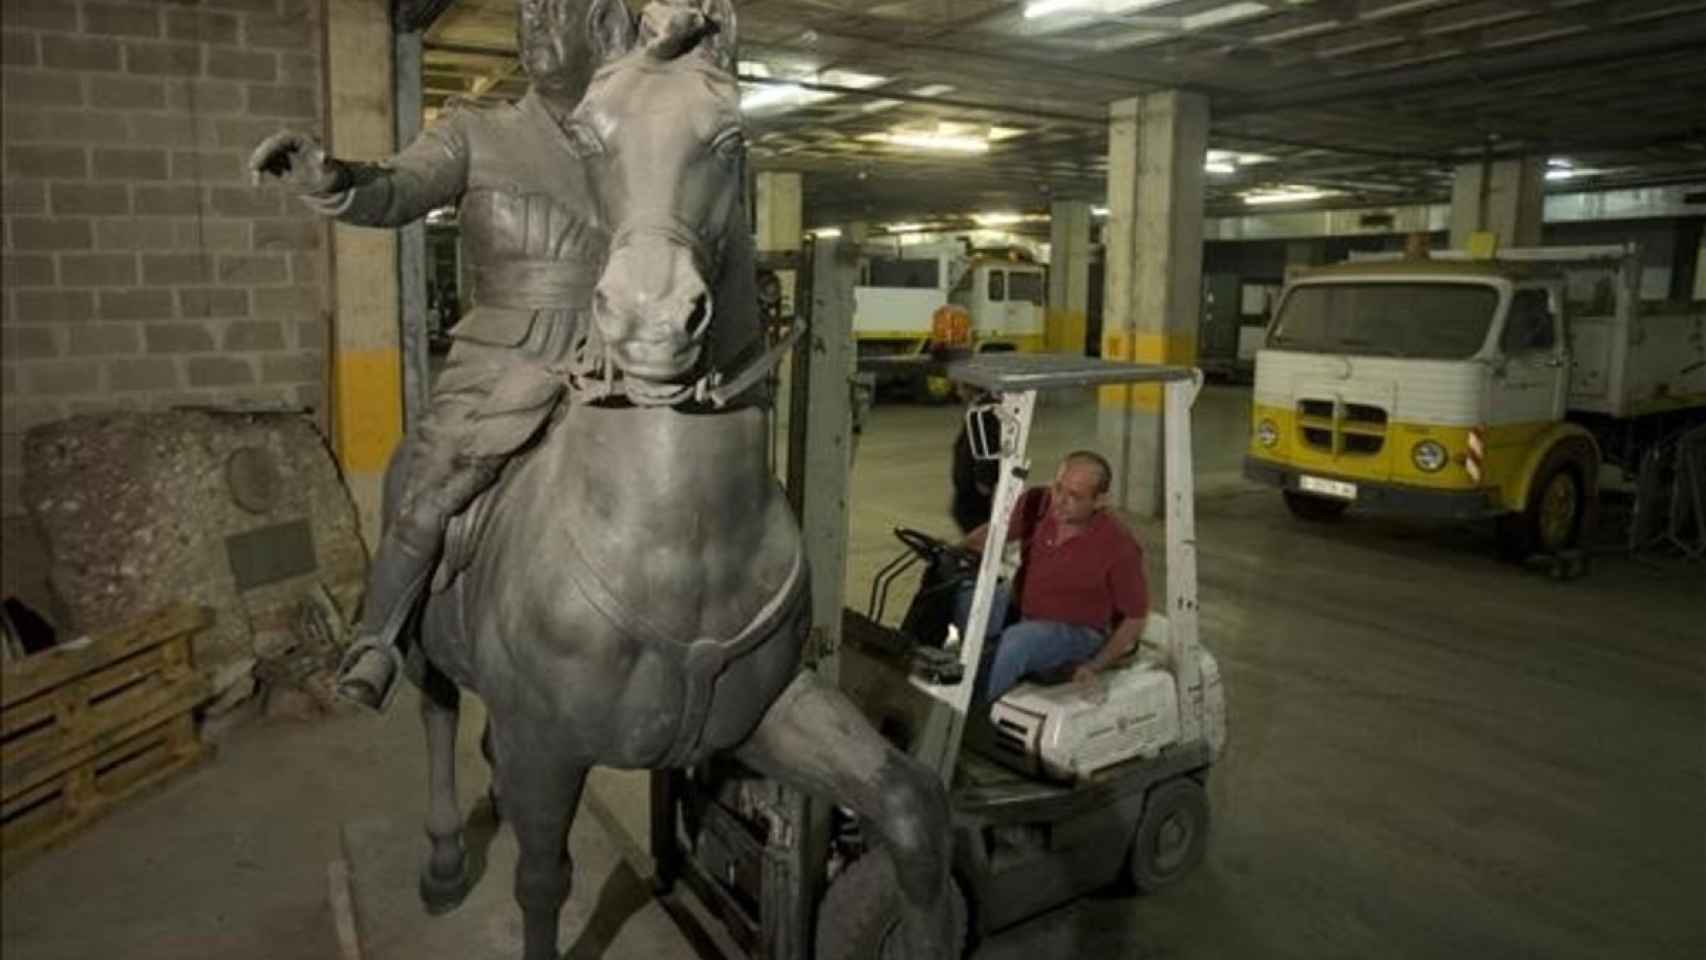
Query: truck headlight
[[1267, 434], [1429, 456]]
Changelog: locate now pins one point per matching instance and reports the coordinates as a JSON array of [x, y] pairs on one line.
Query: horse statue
[[635, 595]]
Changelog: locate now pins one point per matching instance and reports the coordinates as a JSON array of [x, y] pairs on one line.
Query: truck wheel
[[859, 918], [1172, 835], [1314, 509], [1552, 520]]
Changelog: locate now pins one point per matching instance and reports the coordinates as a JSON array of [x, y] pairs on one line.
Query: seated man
[[1082, 577]]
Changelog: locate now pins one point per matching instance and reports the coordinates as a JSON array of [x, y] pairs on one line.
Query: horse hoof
[[440, 895]]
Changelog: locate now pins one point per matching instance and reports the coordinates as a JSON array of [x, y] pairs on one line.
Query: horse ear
[[610, 29], [721, 45]]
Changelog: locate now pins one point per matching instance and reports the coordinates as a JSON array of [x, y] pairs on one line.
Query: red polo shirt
[[1089, 580]]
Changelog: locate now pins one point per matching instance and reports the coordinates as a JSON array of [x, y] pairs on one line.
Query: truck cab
[[1451, 387]]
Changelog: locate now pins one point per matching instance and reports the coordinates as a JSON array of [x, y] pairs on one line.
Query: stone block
[[293, 368], [98, 270], [168, 201], [256, 66], [143, 373], [18, 49], [23, 196], [35, 88], [195, 26], [179, 338], [288, 33], [214, 235], [121, 19], [41, 233], [136, 305], [130, 164], [26, 270], [245, 201], [301, 69], [213, 302], [55, 306], [39, 14], [251, 336], [64, 378], [58, 163], [205, 166], [32, 342], [253, 269], [134, 233], [163, 59], [175, 130], [176, 269], [28, 126], [266, 100], [104, 339], [204, 96], [90, 199], [93, 54], [220, 371], [140, 510], [287, 303], [282, 235], [87, 126], [127, 93]]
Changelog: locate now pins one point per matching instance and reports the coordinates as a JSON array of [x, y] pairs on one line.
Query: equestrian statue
[[630, 589]]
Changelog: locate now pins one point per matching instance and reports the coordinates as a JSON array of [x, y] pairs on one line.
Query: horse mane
[[669, 30]]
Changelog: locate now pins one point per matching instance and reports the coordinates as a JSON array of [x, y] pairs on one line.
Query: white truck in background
[[1442, 385]]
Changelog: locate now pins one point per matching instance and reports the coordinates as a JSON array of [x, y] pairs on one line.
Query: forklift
[[1054, 794]]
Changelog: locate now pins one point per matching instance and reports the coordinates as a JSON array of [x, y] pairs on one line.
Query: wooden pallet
[[86, 725]]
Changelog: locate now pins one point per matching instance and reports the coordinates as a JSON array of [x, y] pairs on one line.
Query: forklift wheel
[[1171, 836], [859, 918]]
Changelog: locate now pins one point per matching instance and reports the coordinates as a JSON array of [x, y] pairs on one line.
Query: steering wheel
[[932, 548]]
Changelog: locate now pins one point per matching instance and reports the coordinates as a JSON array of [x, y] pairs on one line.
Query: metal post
[[1178, 399], [411, 241], [939, 744]]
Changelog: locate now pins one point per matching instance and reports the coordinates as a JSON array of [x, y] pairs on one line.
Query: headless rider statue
[[536, 250]]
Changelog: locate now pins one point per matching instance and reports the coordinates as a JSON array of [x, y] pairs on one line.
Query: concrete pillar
[[1154, 238], [1068, 277], [367, 378], [780, 206], [1700, 271], [1505, 198]]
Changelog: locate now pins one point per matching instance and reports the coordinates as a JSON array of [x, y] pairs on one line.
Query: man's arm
[[429, 173], [1122, 641]]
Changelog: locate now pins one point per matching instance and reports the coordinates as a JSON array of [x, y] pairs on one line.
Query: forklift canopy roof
[[1009, 372]]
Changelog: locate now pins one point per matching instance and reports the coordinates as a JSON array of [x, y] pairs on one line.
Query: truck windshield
[[1433, 321], [913, 274]]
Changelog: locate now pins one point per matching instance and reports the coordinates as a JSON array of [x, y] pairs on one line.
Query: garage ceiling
[[1371, 102]]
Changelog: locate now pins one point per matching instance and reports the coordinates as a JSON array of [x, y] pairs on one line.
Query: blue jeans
[[1025, 648]]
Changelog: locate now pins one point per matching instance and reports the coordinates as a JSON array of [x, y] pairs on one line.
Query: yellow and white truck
[[1447, 386]]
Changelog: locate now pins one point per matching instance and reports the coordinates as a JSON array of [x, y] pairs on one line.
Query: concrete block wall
[[142, 269]]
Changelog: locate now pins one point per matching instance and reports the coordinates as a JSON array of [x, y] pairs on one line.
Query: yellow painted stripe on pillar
[[1179, 349], [367, 405], [1065, 331]]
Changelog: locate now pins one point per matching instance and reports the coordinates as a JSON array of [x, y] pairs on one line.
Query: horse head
[[660, 129]]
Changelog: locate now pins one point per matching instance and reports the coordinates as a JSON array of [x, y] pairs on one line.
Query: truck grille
[[1341, 429]]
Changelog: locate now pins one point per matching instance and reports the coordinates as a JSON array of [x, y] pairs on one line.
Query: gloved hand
[[297, 159]]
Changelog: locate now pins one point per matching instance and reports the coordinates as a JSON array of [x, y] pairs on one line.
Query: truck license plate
[[1330, 488]]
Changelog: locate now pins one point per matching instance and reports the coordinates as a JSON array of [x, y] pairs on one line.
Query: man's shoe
[[368, 675]]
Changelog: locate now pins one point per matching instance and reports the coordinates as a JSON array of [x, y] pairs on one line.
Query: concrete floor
[[1432, 755]]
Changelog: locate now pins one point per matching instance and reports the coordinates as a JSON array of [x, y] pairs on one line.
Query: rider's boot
[[368, 674]]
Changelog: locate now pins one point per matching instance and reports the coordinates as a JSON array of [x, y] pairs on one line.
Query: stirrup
[[386, 688]]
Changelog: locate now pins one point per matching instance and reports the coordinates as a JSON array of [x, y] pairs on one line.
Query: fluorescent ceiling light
[[904, 227], [1222, 168], [772, 96], [923, 140], [1226, 14], [1098, 211], [826, 233], [878, 106], [849, 78], [998, 134], [1285, 195], [934, 89], [998, 219], [1045, 8]]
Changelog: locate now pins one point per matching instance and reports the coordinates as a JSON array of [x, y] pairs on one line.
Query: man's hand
[[298, 160], [1089, 684]]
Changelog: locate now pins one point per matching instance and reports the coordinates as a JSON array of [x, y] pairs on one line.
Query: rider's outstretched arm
[[429, 173]]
